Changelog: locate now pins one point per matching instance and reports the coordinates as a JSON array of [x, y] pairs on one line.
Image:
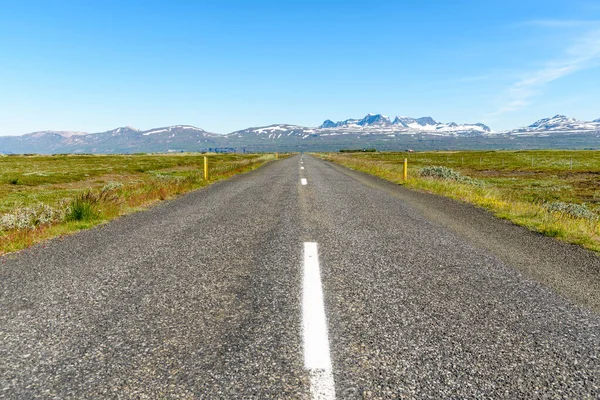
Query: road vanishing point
[[301, 280]]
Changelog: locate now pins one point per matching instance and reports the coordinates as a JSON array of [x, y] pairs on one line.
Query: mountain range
[[374, 131], [423, 124]]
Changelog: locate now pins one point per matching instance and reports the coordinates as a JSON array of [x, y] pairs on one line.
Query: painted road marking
[[301, 167], [316, 344], [303, 181]]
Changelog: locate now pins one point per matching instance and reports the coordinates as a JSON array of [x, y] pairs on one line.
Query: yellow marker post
[[405, 168], [205, 168], [276, 155]]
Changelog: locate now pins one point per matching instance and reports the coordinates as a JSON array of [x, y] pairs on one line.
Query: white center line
[[303, 181], [316, 343], [301, 167]]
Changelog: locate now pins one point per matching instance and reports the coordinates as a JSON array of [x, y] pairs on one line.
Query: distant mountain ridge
[[371, 121], [119, 140], [375, 130], [65, 134], [559, 123]]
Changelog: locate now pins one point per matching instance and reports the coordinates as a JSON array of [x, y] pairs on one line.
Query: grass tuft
[[82, 208]]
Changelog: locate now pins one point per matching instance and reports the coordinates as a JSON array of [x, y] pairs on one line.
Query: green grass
[[81, 209], [555, 192], [45, 196]]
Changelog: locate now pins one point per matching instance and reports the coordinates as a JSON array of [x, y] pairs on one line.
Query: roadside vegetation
[[47, 196], [554, 192]]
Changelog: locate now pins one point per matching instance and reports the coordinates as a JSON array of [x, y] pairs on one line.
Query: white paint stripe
[[303, 181], [316, 347], [322, 386], [301, 167], [316, 344]]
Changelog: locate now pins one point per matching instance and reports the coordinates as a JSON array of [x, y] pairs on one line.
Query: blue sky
[[227, 65]]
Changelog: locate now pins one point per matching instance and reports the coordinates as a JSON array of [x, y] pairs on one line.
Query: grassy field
[[47, 196], [555, 192]]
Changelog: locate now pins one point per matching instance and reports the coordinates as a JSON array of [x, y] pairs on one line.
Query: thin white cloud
[[584, 53], [553, 23]]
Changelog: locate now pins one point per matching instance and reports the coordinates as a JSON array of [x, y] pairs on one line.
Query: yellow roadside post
[[205, 168], [276, 155], [405, 169]]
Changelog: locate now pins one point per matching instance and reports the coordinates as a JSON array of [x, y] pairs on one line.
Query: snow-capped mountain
[[276, 131], [370, 120], [122, 131], [178, 130], [416, 123], [373, 130], [596, 120], [64, 134], [375, 120], [120, 140], [380, 123], [558, 123], [330, 124]]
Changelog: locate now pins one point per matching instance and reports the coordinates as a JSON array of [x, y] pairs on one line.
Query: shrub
[[571, 210], [111, 186], [440, 172], [31, 217], [446, 173]]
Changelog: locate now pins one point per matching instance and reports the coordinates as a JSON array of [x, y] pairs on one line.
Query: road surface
[[304, 280]]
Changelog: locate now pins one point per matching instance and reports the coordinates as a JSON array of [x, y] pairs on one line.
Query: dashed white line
[[301, 167], [303, 181], [316, 344]]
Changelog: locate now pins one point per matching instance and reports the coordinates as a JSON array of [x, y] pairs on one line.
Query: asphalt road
[[263, 287]]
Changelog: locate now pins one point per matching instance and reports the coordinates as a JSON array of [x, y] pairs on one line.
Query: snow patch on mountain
[[415, 123], [64, 134], [153, 132], [173, 128], [377, 123], [273, 131], [375, 120], [558, 123], [328, 124], [454, 127], [125, 129]]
